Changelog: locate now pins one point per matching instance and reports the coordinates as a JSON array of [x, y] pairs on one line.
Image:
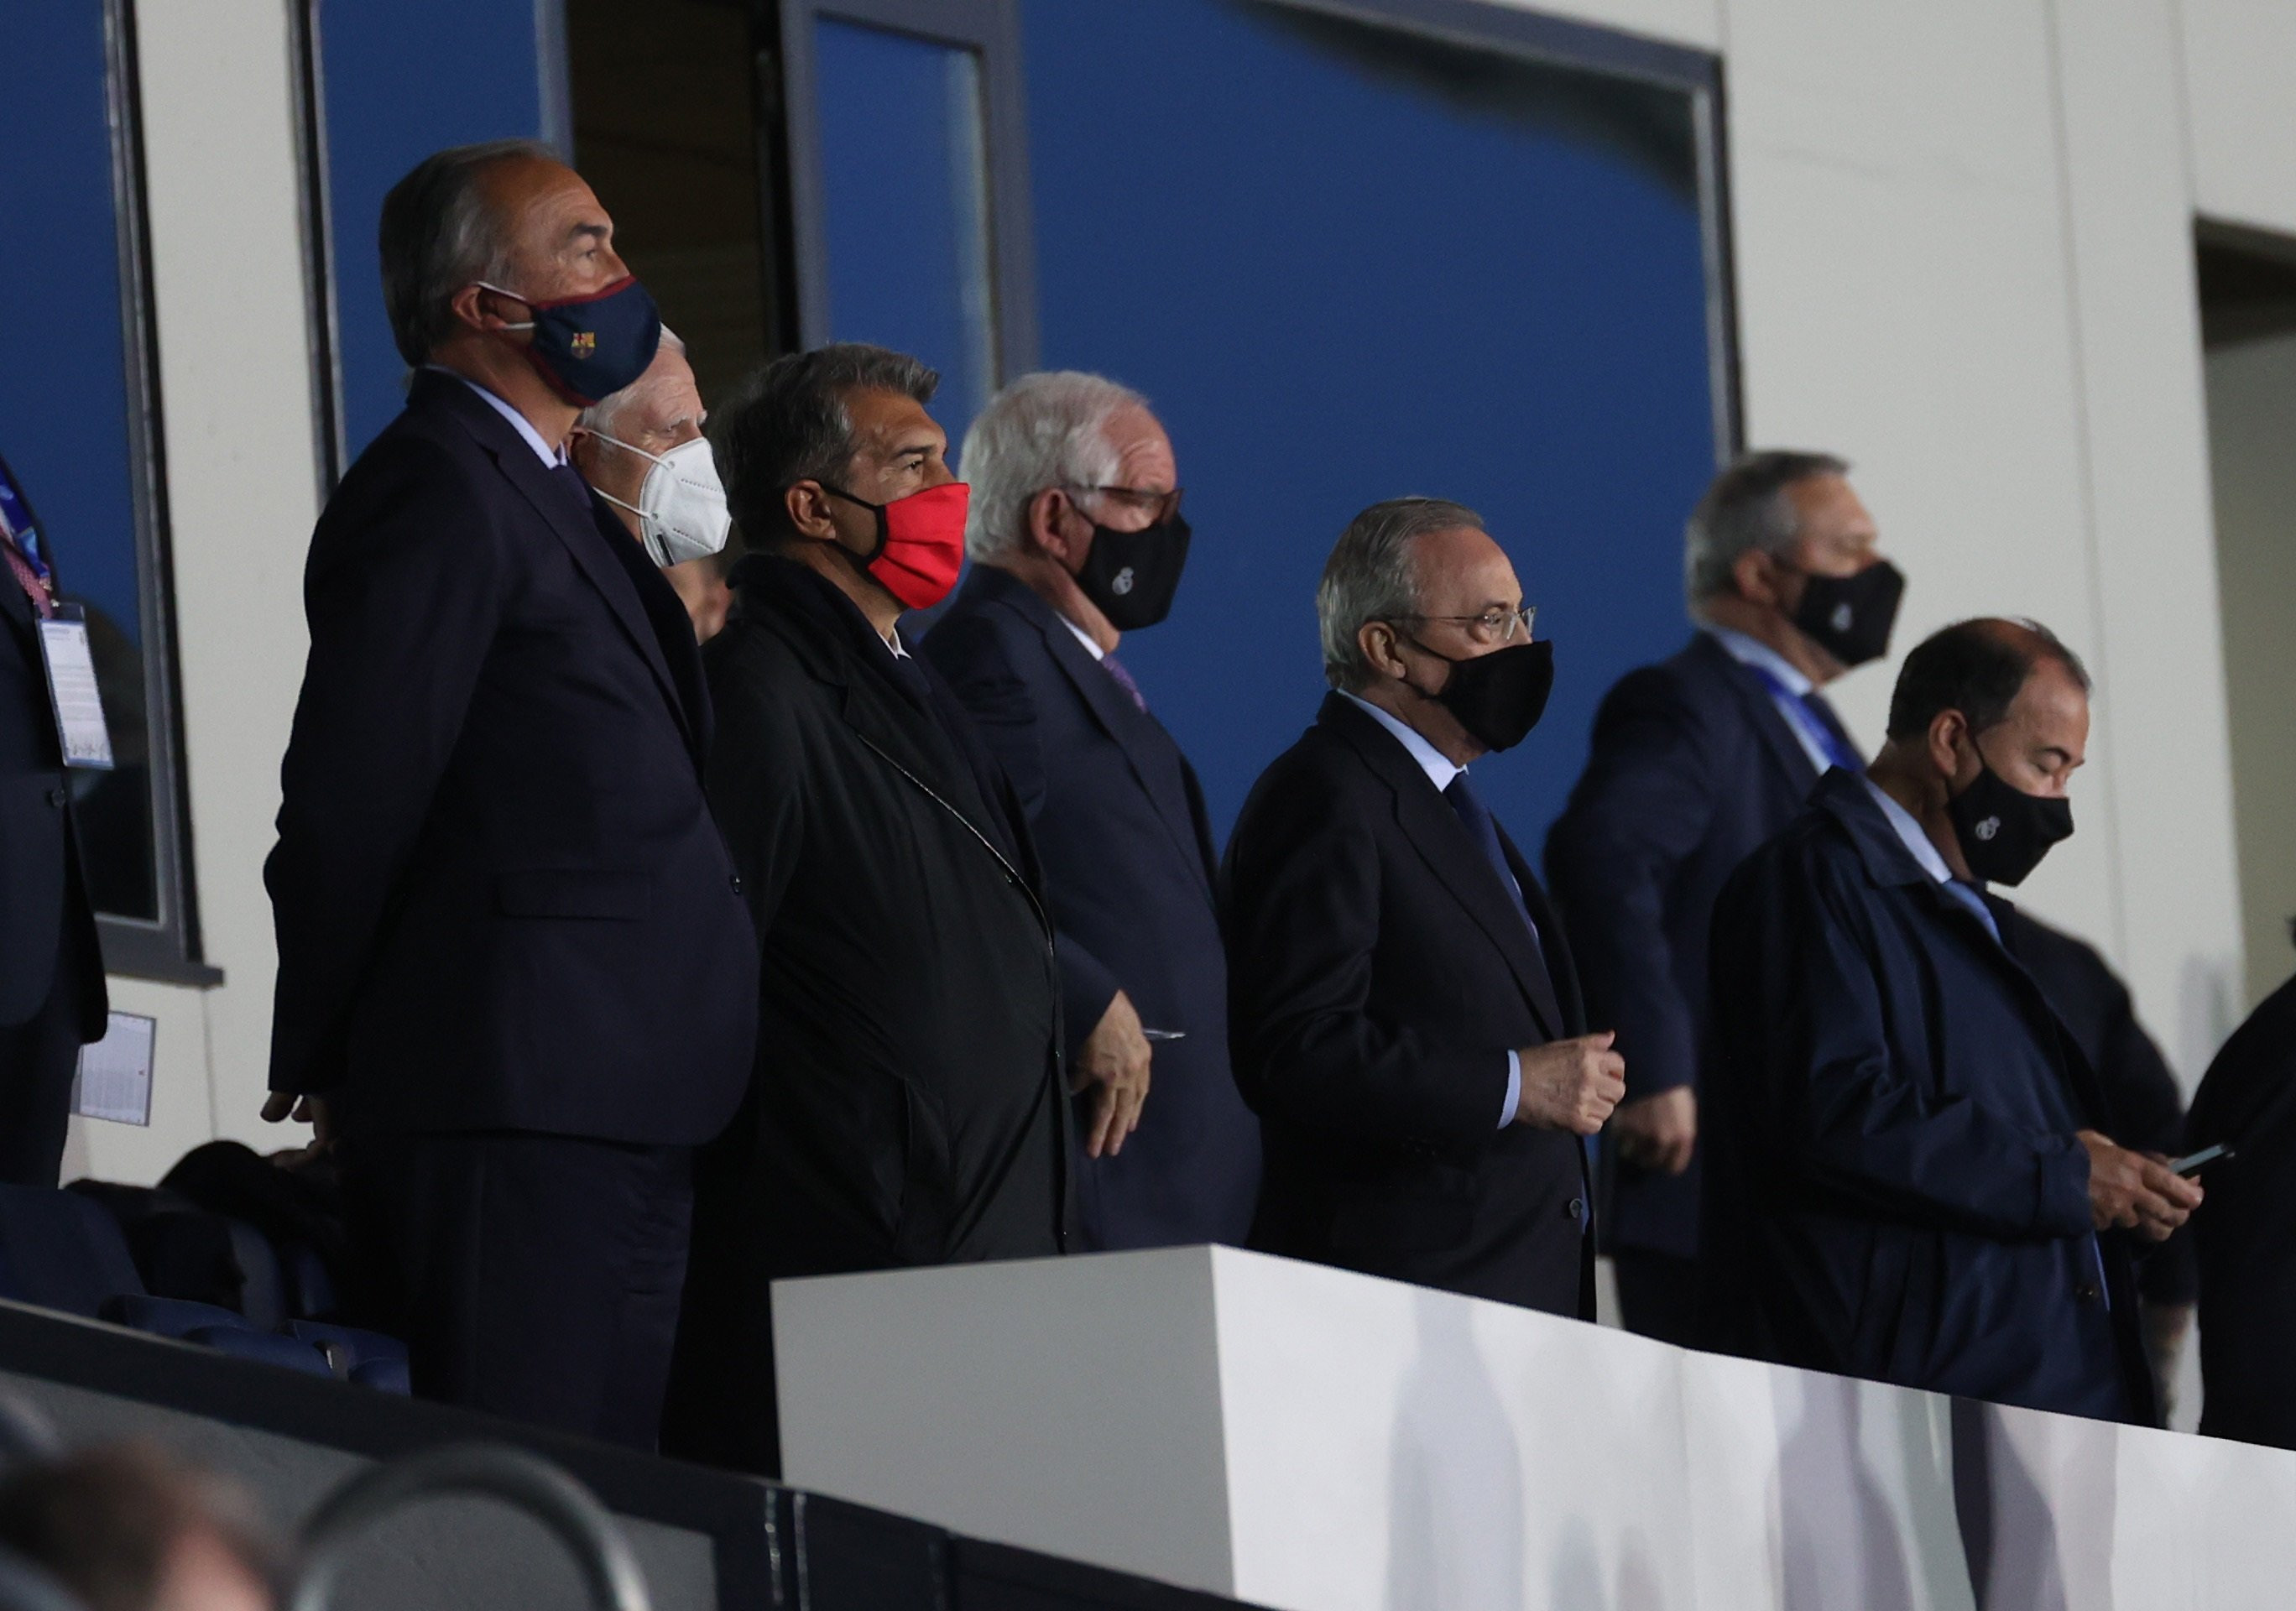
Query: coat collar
[[1761, 711], [1111, 709], [600, 565], [1844, 796], [1434, 830]]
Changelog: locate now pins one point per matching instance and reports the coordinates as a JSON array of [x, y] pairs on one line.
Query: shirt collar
[[1083, 637], [1439, 767], [1917, 841], [551, 457], [893, 641], [1753, 652]]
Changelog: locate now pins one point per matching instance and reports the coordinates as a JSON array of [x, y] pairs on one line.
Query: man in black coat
[[1075, 536], [906, 1108], [1696, 761], [514, 962], [1905, 1173], [2247, 1240], [1404, 1014], [52, 997]]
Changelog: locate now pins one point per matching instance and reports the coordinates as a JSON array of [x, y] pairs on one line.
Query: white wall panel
[[2160, 729], [227, 264], [2239, 61]]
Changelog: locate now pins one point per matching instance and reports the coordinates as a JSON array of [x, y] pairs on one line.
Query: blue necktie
[[1114, 668], [1809, 713]]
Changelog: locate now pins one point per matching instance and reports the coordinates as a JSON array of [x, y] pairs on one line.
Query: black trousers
[[37, 1061], [535, 1277], [1658, 1295]]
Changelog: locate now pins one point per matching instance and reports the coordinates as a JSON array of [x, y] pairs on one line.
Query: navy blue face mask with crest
[[589, 347]]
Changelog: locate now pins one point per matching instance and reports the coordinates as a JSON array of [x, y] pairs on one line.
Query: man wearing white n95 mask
[[642, 450]]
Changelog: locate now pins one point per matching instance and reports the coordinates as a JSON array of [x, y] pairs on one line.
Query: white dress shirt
[[552, 457], [1917, 841], [1440, 769]]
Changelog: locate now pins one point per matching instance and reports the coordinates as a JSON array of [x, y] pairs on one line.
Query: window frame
[[167, 947], [991, 30]]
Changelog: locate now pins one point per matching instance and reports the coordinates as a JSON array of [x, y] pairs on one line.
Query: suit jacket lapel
[[1443, 843], [584, 540], [1111, 708], [1785, 750]]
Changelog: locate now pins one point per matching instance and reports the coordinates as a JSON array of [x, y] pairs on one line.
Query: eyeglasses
[[1491, 626], [1161, 506]]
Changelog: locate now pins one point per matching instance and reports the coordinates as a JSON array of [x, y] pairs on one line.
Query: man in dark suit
[[906, 1104], [1696, 761], [53, 998], [1906, 1175], [1404, 1014], [2247, 1240], [1075, 536], [514, 967]]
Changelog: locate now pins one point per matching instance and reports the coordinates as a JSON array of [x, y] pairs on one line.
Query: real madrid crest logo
[[1121, 584], [585, 343], [1986, 829], [1842, 618]]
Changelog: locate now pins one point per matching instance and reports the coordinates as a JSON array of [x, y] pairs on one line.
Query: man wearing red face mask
[[906, 1103]]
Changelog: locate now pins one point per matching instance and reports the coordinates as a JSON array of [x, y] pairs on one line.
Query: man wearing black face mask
[[1076, 538], [1905, 1177], [1404, 1014], [1696, 761]]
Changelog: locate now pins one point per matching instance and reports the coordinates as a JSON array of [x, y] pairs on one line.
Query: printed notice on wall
[[115, 1073]]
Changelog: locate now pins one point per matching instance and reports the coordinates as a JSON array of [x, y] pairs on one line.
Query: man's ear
[[1044, 514], [473, 309], [807, 507], [1755, 575], [1949, 738], [1376, 639]]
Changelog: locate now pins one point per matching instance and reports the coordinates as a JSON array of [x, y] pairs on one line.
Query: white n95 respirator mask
[[681, 508]]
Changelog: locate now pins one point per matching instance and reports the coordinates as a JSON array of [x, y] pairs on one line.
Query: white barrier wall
[[1314, 1440]]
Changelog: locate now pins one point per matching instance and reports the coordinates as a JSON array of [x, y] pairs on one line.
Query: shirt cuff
[[1514, 1088]]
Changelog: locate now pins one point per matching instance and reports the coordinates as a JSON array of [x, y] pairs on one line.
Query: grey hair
[[601, 415], [1370, 577], [438, 235], [1747, 508], [1043, 430], [788, 422]]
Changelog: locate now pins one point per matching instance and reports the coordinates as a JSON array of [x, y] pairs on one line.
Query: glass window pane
[[905, 193], [64, 410], [1347, 263], [391, 97]]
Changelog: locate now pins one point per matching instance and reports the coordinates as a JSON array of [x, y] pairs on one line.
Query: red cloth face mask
[[920, 541]]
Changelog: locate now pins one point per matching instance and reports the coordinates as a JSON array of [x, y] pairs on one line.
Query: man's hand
[[1658, 1132], [305, 1109], [2133, 1191], [1571, 1085], [1115, 1057]]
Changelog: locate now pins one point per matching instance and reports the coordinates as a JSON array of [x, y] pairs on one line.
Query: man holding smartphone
[[1908, 1176]]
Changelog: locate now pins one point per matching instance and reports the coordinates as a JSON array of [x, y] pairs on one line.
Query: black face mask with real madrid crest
[[1131, 576], [2004, 831]]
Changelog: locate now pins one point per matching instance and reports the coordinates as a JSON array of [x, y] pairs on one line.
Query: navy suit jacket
[[1129, 870], [1379, 972], [501, 902], [44, 905], [1893, 1186], [1692, 768]]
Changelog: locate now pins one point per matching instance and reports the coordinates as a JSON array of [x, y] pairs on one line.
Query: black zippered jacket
[[905, 1105]]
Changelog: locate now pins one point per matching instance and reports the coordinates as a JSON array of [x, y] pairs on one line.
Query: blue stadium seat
[[354, 1347], [384, 1375], [61, 1251], [269, 1346], [166, 1316]]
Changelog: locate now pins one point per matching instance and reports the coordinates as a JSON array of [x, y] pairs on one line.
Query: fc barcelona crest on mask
[[584, 343]]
